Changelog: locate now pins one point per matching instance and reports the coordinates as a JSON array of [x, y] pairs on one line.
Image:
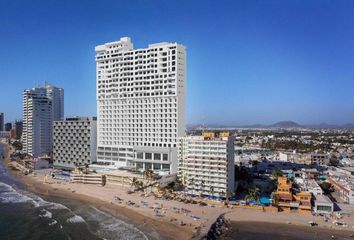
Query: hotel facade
[[74, 142], [206, 164], [41, 106], [140, 104]]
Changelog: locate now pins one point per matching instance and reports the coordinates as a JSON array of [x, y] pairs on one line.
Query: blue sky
[[247, 61]]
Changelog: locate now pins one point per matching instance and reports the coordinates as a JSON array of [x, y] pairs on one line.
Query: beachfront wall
[[121, 180], [96, 179]]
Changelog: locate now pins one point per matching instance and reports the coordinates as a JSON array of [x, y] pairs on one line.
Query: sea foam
[[46, 214], [75, 219]]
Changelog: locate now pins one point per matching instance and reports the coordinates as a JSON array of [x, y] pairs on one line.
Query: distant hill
[[348, 126], [286, 124], [281, 124]]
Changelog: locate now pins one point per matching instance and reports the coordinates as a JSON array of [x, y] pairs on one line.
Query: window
[[148, 156], [157, 156], [165, 157], [166, 166], [139, 155]]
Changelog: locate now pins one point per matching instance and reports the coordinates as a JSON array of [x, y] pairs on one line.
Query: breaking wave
[[75, 219]]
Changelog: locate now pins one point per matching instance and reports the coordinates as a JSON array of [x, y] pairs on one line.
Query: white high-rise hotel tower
[[140, 101]]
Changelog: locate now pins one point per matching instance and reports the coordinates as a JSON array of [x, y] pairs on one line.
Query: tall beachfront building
[[140, 104], [206, 164], [41, 106]]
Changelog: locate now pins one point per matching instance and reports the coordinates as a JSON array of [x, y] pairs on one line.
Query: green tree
[[274, 196], [135, 183], [333, 161], [326, 187], [254, 162], [211, 191], [277, 173], [253, 194]]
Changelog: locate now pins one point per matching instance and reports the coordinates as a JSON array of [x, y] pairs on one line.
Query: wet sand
[[146, 224], [164, 229], [274, 231], [144, 218]]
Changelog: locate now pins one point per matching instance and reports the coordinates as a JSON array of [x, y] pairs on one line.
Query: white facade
[[311, 186], [41, 106], [343, 183], [323, 204], [206, 166], [74, 142], [140, 101]]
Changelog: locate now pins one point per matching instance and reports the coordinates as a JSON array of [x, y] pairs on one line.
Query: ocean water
[[272, 231], [25, 215]]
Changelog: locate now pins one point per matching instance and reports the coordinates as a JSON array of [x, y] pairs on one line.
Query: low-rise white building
[[344, 184], [323, 204], [311, 186], [206, 164], [74, 142]]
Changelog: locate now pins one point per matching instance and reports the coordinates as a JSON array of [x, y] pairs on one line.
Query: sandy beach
[[270, 231], [166, 216], [142, 213]]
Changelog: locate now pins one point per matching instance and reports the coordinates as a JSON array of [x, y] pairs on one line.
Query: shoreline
[[271, 230], [144, 218], [165, 230], [143, 223]]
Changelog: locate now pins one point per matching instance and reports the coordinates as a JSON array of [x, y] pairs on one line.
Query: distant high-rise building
[[18, 129], [57, 97], [74, 142], [140, 104], [41, 106], [1, 121], [8, 127]]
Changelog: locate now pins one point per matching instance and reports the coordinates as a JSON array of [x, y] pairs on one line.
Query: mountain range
[[281, 124]]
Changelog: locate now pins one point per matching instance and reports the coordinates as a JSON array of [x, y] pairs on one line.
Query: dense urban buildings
[[140, 104], [41, 106], [74, 142], [206, 164], [1, 121], [8, 127]]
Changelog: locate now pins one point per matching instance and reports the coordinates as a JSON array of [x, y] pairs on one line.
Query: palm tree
[[253, 194], [277, 173], [211, 191], [135, 183], [86, 168], [228, 195], [222, 194], [274, 196]]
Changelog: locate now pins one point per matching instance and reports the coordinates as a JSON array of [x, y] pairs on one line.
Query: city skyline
[[248, 63]]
